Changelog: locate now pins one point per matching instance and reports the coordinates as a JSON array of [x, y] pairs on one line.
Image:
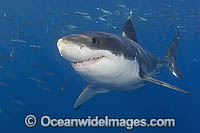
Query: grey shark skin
[[112, 62]]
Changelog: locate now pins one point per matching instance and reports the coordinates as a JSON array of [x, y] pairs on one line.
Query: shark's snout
[[78, 50], [59, 44], [68, 49], [73, 48]]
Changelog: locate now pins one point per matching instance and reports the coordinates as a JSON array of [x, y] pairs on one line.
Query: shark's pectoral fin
[[156, 81], [87, 94]]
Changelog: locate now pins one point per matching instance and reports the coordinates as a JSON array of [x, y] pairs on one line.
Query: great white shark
[[113, 62]]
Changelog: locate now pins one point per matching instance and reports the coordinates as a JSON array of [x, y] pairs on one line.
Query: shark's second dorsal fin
[[129, 30], [156, 81]]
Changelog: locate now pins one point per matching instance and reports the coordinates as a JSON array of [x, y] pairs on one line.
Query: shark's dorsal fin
[[87, 93], [156, 81], [129, 30]]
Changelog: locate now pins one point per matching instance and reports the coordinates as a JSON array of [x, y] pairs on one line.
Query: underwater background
[[35, 79]]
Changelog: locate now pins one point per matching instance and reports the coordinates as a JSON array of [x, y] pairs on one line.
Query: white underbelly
[[120, 74], [126, 87]]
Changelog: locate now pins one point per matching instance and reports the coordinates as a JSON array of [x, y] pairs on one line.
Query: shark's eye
[[94, 41], [81, 47]]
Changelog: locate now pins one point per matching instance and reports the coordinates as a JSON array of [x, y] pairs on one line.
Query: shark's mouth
[[87, 62]]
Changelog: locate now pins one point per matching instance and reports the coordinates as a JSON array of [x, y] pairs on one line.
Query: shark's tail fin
[[170, 58]]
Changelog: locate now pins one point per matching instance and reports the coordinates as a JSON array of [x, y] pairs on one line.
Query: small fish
[[9, 75], [117, 13], [36, 80], [146, 14], [44, 88], [88, 17], [18, 41], [193, 16], [4, 84], [130, 14], [4, 112], [104, 11], [103, 16], [195, 60], [35, 46], [82, 13], [123, 6], [71, 27], [16, 101], [49, 74], [12, 54], [144, 19], [109, 24], [102, 19], [66, 14], [5, 16], [1, 111]]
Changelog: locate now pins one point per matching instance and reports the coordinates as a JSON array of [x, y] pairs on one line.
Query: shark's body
[[121, 72], [111, 62]]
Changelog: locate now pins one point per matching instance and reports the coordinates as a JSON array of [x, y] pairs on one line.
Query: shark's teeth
[[87, 62]]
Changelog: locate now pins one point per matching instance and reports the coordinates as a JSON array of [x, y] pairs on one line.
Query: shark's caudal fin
[[87, 93], [129, 30], [170, 58]]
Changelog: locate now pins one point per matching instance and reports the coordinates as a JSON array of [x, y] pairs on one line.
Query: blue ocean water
[[35, 79]]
